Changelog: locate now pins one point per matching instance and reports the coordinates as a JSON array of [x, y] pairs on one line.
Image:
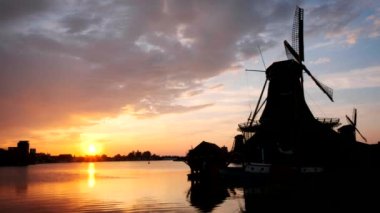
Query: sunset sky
[[165, 75]]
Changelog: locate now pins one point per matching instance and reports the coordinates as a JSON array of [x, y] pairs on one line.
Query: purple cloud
[[92, 58]]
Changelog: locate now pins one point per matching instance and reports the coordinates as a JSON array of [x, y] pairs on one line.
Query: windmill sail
[[297, 33], [291, 53], [353, 123], [294, 55], [327, 90]]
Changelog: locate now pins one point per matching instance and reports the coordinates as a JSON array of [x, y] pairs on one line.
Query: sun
[[91, 147], [92, 150]]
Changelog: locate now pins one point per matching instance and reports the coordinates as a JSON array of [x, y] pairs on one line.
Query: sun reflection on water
[[91, 175], [160, 186]]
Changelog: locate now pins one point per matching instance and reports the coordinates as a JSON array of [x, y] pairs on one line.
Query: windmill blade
[[291, 53], [257, 109], [262, 104], [254, 70], [365, 139], [249, 117], [350, 121], [327, 90], [294, 55], [354, 115], [258, 102], [297, 33], [354, 125], [262, 58]]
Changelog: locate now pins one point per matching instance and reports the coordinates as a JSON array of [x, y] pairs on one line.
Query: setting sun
[[92, 149]]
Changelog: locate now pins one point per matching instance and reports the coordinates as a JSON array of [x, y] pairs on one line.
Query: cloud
[[216, 87], [11, 11], [338, 27], [66, 63], [374, 20], [322, 60], [152, 109], [329, 17], [73, 62], [193, 93], [358, 78]]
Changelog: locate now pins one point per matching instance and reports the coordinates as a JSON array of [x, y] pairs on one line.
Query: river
[[139, 186], [162, 186]]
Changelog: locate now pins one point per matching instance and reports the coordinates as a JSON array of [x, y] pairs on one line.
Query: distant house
[[207, 158]]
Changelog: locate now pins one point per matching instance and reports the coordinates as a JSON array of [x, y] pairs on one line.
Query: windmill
[[296, 51], [286, 108], [353, 123], [287, 135]]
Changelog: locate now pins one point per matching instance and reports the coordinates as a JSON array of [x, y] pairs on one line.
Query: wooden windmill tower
[[287, 132]]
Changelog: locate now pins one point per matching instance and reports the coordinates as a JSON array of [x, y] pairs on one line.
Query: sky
[[165, 75]]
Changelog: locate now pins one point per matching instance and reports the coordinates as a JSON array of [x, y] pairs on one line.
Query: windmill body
[[287, 133]]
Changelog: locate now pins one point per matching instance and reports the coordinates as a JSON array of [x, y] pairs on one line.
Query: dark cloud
[[332, 17], [92, 58], [18, 9], [80, 24]]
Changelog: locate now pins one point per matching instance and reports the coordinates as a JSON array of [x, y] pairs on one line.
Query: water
[[160, 186]]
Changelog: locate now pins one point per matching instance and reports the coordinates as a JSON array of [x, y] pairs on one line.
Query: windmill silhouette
[[295, 53], [287, 132], [350, 130]]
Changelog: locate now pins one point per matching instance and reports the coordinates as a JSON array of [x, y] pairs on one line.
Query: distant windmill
[[353, 123], [296, 51]]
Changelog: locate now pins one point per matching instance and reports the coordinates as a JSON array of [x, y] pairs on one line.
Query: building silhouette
[[18, 156]]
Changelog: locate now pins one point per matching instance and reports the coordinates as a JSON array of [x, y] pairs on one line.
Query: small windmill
[[296, 50], [353, 123]]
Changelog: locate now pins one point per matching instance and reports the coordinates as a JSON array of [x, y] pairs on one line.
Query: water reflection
[[15, 177], [21, 184], [216, 196], [207, 195], [91, 175], [340, 191], [95, 187]]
